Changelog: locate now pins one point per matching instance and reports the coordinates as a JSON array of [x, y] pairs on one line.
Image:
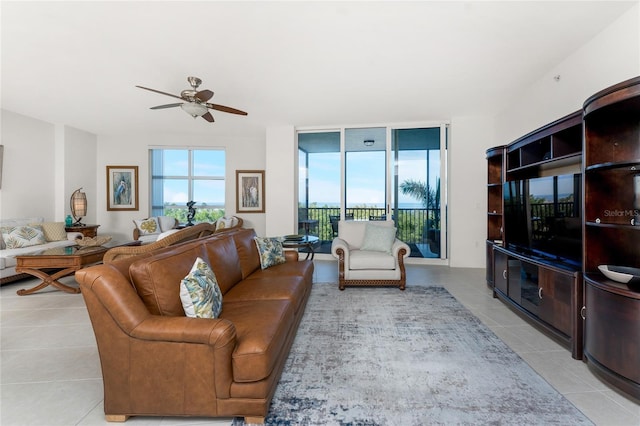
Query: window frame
[[159, 209]]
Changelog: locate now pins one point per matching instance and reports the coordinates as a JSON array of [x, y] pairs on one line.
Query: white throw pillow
[[226, 222], [166, 223], [199, 292], [167, 233], [148, 226], [378, 238]]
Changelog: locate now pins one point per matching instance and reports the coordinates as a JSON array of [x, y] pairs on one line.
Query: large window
[[182, 175]]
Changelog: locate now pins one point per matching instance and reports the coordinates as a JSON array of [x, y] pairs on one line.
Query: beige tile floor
[[50, 372]]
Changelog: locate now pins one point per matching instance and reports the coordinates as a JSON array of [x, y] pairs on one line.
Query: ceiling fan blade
[[162, 93], [204, 95], [226, 109], [167, 106], [208, 117]]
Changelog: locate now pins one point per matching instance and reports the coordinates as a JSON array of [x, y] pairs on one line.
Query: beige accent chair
[[367, 267]]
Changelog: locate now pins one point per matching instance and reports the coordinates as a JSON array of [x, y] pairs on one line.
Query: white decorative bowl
[[622, 274], [98, 240]]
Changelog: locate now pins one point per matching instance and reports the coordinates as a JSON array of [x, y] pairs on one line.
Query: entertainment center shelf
[[612, 232], [545, 246], [557, 144]]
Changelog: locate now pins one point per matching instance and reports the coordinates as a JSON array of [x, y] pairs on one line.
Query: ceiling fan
[[195, 102]]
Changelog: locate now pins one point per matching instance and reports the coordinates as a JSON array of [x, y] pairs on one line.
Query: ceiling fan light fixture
[[194, 109]]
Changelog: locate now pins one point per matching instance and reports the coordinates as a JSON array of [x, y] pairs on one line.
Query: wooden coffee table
[[63, 261]]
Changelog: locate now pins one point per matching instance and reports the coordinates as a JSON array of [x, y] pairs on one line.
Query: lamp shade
[[78, 205]]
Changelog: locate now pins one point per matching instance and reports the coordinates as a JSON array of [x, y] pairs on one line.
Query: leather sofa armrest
[[214, 332], [291, 255]]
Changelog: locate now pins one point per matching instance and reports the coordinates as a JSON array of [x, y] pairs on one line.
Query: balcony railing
[[416, 226]]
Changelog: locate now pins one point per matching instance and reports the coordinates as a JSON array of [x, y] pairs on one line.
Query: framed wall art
[[250, 191], [122, 188]]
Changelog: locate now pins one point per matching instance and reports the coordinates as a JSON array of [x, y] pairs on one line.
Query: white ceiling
[[301, 63]]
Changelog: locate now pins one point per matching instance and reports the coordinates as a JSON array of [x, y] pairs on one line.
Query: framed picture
[[122, 188], [250, 191]]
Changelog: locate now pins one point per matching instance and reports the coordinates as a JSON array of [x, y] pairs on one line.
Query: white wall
[[469, 140], [281, 179], [133, 150], [79, 171], [43, 164], [609, 58], [28, 167]]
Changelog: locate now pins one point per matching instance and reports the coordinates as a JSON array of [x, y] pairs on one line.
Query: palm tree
[[430, 199]]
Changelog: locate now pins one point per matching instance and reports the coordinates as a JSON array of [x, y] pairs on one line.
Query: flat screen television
[[543, 218]]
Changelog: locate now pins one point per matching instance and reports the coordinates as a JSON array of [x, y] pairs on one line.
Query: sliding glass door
[[375, 173], [417, 188]]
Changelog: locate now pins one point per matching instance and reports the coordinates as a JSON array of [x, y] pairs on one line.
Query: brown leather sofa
[[158, 362]]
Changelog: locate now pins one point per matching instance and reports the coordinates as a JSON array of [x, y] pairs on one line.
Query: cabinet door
[[500, 272], [514, 279], [525, 282], [489, 268], [555, 291], [612, 332]]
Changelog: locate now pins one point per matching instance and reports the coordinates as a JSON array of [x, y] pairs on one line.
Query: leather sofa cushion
[[365, 259], [157, 279], [291, 268], [291, 289], [224, 260], [261, 329], [247, 251]]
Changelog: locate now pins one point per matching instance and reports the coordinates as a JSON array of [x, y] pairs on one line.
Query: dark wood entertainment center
[[597, 319]]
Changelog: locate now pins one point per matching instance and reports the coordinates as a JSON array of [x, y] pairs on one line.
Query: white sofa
[[369, 254], [8, 255]]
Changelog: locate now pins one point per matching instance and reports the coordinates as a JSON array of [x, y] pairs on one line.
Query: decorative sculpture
[[191, 214]]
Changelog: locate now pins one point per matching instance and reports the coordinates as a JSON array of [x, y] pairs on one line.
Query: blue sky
[[206, 163], [365, 176]]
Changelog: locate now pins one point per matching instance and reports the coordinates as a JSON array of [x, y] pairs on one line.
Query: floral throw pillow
[[22, 236], [199, 292], [270, 251], [148, 226]]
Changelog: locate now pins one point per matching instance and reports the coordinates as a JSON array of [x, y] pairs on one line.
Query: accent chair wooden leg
[[119, 418], [254, 420]]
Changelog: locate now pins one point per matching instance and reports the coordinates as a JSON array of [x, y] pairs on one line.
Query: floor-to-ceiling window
[[417, 195], [376, 173], [319, 181], [179, 175], [365, 183]]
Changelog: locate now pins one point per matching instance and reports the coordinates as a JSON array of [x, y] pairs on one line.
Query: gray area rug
[[380, 356]]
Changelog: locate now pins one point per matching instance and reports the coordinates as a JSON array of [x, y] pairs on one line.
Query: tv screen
[[542, 217]]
